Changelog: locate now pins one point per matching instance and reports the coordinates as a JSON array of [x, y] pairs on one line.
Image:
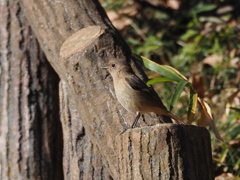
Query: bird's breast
[[128, 97]]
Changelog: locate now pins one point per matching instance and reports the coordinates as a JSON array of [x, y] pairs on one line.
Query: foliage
[[202, 41], [172, 75]]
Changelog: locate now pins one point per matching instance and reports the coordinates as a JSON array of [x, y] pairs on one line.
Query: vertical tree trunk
[[30, 129]]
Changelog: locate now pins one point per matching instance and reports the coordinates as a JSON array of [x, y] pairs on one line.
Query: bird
[[133, 94]]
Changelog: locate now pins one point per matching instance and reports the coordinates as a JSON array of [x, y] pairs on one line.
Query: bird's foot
[[126, 130]]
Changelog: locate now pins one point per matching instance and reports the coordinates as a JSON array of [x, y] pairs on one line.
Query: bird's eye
[[113, 65]]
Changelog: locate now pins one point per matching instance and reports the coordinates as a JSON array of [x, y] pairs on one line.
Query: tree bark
[[78, 39], [165, 152], [82, 159], [30, 129]]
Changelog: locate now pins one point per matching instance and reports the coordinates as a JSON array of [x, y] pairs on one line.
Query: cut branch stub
[[80, 40]]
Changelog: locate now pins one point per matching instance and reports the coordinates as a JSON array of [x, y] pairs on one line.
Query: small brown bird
[[133, 94]]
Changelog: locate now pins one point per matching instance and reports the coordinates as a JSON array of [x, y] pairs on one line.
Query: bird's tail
[[167, 113], [176, 118]]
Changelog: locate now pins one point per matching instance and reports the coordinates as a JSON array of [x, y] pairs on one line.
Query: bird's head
[[117, 67]]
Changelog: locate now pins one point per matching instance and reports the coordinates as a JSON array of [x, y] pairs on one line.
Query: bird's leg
[[134, 123], [143, 117], [136, 119]]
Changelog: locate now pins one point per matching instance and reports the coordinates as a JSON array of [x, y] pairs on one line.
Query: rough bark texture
[[165, 152], [30, 129], [82, 159], [93, 119]]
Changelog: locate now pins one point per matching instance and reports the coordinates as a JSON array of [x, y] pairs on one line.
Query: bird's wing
[[136, 83]]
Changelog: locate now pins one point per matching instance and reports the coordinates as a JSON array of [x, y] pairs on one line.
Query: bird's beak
[[104, 67]]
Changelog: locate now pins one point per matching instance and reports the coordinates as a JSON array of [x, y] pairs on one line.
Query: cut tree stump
[[165, 151]]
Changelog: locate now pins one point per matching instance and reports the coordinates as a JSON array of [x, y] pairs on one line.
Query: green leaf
[[133, 41], [206, 7], [201, 7], [189, 34], [192, 105], [210, 19], [164, 70], [179, 90], [159, 80]]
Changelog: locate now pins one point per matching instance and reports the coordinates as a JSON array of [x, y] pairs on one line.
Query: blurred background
[[201, 39]]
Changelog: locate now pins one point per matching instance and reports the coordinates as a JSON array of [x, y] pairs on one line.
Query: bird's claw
[[126, 130]]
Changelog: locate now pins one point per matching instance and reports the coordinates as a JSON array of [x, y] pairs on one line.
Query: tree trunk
[[30, 129], [78, 39], [82, 159], [165, 152]]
